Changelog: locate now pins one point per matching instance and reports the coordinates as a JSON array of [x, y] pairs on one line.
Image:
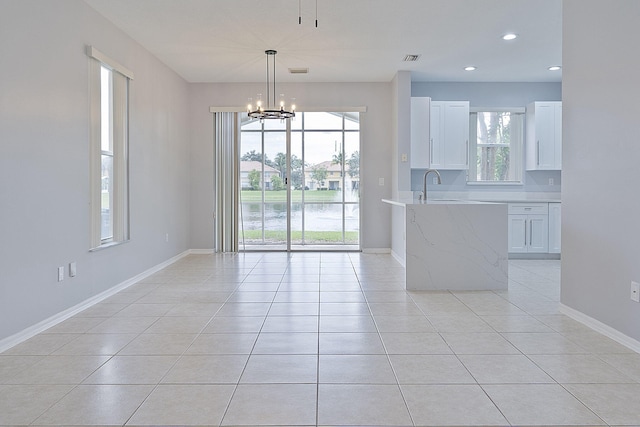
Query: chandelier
[[269, 110]]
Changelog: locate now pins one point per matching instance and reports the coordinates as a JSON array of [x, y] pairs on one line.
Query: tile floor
[[320, 339]]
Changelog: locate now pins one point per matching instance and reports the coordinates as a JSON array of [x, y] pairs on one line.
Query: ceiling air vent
[[298, 70], [411, 58]]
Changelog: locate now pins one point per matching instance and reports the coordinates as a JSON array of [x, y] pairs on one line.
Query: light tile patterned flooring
[[320, 339]]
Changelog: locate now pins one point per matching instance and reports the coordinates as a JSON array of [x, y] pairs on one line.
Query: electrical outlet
[[72, 269], [381, 181], [166, 237], [551, 181], [60, 274], [434, 180], [404, 158], [635, 291]]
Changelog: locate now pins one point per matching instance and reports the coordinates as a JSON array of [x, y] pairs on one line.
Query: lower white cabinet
[[554, 228], [528, 228]]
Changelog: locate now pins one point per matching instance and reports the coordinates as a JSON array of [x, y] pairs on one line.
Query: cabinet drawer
[[529, 208]]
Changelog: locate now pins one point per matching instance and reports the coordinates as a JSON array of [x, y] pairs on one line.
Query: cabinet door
[[538, 230], [436, 152], [554, 228], [517, 232], [420, 133], [456, 135], [545, 135], [558, 135]]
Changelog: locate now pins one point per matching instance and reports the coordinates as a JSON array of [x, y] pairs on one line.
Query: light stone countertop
[[498, 197], [409, 201], [435, 197]]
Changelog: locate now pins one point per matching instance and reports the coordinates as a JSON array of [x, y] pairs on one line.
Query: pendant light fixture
[[268, 110]]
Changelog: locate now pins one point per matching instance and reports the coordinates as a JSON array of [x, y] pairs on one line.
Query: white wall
[[44, 160], [489, 94], [601, 158], [375, 155], [401, 125]]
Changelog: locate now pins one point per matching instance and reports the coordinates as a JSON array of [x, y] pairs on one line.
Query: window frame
[[117, 149], [516, 152]]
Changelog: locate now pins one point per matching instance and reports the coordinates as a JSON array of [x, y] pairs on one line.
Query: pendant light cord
[[300, 12], [273, 104], [267, 100]]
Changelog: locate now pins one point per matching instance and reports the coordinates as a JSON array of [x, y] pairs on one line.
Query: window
[[495, 141], [109, 150]]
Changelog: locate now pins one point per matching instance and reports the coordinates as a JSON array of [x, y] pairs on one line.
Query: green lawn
[[351, 237]]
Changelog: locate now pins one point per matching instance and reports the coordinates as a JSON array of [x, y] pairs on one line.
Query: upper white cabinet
[[420, 132], [544, 136], [449, 135]]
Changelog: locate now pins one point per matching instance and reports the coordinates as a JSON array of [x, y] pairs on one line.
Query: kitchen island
[[451, 244]]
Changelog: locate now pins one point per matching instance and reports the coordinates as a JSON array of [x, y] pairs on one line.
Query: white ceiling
[[356, 40]]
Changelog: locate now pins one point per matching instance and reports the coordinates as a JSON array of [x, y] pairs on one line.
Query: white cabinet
[[449, 135], [544, 136], [420, 132], [554, 228], [528, 228]]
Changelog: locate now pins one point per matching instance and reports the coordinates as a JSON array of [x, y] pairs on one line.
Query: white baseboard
[[42, 326], [376, 250], [201, 251], [598, 326], [398, 258]]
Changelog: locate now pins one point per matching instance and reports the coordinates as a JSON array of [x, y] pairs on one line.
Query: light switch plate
[[635, 291], [72, 269], [60, 274], [404, 157]]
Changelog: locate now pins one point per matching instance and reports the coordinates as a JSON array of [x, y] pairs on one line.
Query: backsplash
[[456, 181]]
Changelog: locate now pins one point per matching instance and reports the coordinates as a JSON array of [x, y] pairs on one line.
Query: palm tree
[[337, 159]]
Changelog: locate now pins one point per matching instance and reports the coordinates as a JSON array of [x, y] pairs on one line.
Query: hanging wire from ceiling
[[300, 12]]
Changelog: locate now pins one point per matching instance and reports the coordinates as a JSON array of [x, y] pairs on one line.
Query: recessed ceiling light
[[509, 36], [554, 68], [470, 68]]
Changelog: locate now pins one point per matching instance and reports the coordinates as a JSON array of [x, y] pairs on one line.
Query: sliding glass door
[[300, 182], [263, 192]]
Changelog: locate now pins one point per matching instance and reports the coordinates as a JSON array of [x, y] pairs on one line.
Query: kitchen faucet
[[423, 195]]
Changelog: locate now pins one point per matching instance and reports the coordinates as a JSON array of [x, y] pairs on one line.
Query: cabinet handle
[[431, 152], [525, 232], [530, 232], [538, 153], [467, 145]]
